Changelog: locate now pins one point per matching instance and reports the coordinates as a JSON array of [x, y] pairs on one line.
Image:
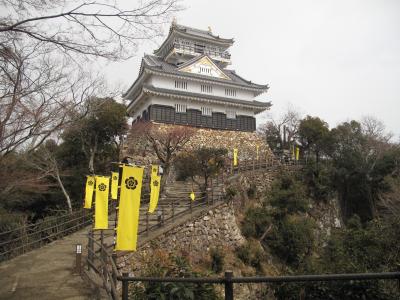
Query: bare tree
[[42, 41], [165, 141], [14, 179], [37, 95], [282, 130], [44, 161], [95, 28], [375, 129]]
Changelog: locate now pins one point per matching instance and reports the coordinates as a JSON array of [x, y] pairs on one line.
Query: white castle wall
[[195, 87]]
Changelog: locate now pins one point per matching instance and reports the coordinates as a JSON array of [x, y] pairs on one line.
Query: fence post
[[90, 248], [228, 285], [190, 202], [78, 258], [114, 276], [103, 255], [125, 286], [83, 217], [147, 223]]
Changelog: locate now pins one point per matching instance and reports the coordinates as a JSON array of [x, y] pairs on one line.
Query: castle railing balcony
[[190, 49]]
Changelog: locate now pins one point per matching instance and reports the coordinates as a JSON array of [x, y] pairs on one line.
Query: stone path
[[46, 273]]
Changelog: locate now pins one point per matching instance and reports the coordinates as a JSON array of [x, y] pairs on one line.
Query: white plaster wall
[[197, 105], [195, 87]]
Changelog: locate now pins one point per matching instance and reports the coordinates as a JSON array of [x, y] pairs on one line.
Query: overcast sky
[[338, 60]]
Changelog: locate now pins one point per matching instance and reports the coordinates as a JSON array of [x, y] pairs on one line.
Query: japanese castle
[[186, 82]]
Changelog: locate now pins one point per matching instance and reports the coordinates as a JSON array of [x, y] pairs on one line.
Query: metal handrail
[[41, 230], [228, 280], [49, 219]]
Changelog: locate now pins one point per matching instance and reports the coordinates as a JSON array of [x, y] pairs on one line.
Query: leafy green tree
[[313, 133], [90, 145], [360, 166], [256, 221], [288, 195], [358, 248], [292, 239], [100, 130], [318, 181]]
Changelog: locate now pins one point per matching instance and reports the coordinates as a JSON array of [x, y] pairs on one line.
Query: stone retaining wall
[[214, 228], [245, 142]]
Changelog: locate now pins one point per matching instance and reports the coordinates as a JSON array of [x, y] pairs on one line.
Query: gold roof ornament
[[209, 29]]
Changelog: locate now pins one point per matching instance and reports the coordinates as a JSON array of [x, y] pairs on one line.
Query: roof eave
[[174, 31], [135, 84], [253, 105]]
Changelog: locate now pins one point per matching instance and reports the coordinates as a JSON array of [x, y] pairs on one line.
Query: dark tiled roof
[[256, 104], [199, 33], [158, 64]]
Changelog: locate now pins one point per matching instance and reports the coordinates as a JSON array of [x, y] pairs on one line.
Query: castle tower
[[187, 82]]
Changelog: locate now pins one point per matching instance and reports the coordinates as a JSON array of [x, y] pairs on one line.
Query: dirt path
[[45, 273]]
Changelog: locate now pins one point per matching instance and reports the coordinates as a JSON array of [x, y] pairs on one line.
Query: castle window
[[182, 85], [206, 88], [230, 114], [180, 108], [230, 92], [206, 111]]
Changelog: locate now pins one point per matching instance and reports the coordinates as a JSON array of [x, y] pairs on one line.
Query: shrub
[[255, 222], [318, 179], [252, 190], [217, 259], [292, 239], [230, 193], [288, 195], [339, 290], [161, 264], [372, 247], [251, 253]]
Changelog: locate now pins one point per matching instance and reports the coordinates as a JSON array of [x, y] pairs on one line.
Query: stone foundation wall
[[214, 228], [245, 142]]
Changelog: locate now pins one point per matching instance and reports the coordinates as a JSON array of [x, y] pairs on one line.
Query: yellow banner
[[297, 153], [154, 192], [192, 196], [114, 185], [154, 170], [129, 205], [235, 157], [89, 191], [101, 204]]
